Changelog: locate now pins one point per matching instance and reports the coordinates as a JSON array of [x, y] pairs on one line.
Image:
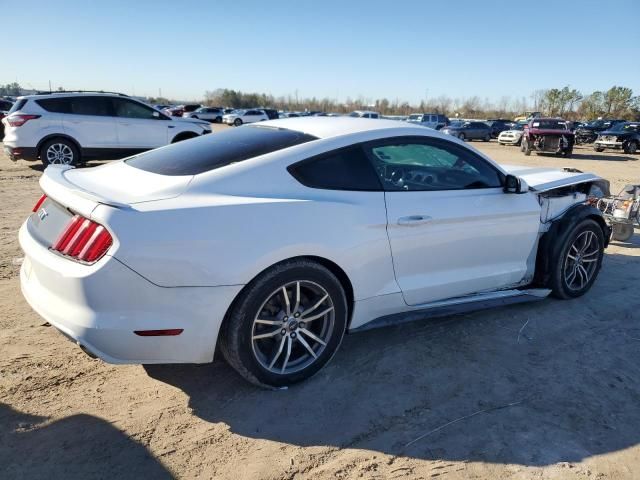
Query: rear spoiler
[[56, 186]]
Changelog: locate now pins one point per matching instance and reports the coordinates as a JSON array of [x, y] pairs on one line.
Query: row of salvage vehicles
[[555, 136]]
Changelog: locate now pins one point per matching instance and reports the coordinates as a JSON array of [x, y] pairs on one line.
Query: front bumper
[[615, 145], [100, 306]]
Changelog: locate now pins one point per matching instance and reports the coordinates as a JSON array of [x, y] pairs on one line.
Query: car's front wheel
[[577, 263], [598, 149], [237, 122], [462, 137], [286, 324], [631, 147], [59, 151]]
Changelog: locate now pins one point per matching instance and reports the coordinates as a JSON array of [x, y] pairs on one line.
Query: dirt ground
[[542, 390]]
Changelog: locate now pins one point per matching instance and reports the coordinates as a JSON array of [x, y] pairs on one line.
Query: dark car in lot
[[589, 132], [5, 106], [469, 130], [547, 135], [499, 125], [180, 110], [271, 113], [623, 136]]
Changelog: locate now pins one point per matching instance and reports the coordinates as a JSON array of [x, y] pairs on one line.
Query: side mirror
[[513, 184]]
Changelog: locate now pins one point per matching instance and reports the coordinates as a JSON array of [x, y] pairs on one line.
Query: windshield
[[550, 125], [626, 127]]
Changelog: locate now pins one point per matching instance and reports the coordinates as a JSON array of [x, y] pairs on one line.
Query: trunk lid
[[115, 184]]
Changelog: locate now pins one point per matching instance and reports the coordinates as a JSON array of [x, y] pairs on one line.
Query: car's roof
[[326, 127]]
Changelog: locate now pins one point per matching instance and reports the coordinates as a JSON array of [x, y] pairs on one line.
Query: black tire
[[62, 145], [237, 122], [558, 284], [631, 147], [566, 153], [218, 120], [525, 147], [487, 138], [622, 232], [236, 332], [462, 137], [598, 149]]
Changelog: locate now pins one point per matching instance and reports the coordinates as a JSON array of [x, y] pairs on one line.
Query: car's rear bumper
[[100, 307], [25, 153]]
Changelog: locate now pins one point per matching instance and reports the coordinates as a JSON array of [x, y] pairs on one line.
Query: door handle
[[414, 220]]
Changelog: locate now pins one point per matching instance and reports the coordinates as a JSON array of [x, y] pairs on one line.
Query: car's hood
[[510, 131], [542, 179], [615, 133], [190, 120]]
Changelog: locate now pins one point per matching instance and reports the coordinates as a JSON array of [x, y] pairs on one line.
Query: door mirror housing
[[513, 184]]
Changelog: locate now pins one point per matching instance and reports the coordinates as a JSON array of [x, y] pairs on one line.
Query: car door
[[139, 126], [452, 229], [90, 121]]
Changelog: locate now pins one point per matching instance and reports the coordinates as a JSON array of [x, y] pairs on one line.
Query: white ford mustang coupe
[[273, 240]]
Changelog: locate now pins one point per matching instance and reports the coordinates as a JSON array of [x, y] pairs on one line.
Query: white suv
[[67, 128]]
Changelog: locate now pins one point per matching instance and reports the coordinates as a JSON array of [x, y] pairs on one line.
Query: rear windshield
[[198, 155], [18, 105]]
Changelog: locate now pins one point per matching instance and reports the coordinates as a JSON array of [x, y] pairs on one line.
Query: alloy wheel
[[59, 154], [581, 262], [293, 327]]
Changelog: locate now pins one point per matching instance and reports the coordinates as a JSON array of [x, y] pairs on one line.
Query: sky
[[398, 49]]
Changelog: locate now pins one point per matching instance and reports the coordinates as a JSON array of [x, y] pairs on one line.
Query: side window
[[128, 109], [96, 106], [345, 169], [431, 165], [55, 105]]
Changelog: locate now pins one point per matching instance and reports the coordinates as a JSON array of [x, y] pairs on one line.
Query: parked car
[[211, 114], [469, 130], [180, 110], [288, 114], [623, 136], [589, 132], [239, 117], [266, 240], [364, 114], [5, 106], [67, 128], [229, 110], [160, 106], [431, 120], [271, 113], [513, 136], [499, 125], [547, 135]]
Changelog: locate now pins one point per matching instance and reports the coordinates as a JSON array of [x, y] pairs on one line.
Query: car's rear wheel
[[598, 149], [237, 122], [577, 263], [218, 120], [487, 138], [286, 324], [59, 151], [462, 137], [622, 232]]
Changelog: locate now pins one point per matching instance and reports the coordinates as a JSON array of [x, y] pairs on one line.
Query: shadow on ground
[[79, 446], [567, 374]]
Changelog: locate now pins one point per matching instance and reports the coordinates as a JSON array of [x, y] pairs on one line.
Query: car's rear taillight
[[17, 120], [39, 203], [83, 239]]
